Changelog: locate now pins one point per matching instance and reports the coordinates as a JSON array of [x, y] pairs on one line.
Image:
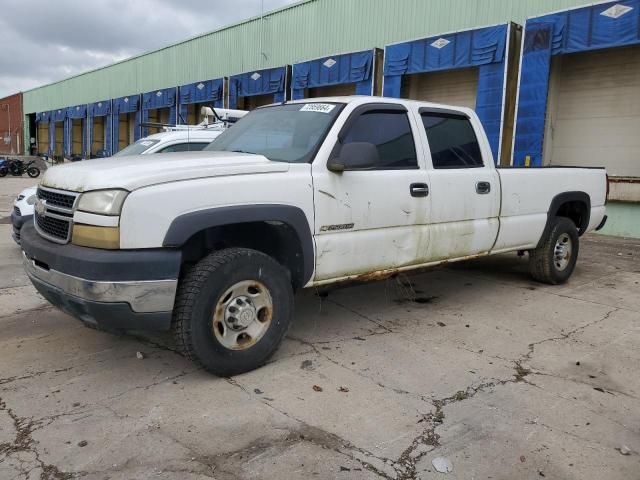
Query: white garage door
[[453, 87], [593, 117]]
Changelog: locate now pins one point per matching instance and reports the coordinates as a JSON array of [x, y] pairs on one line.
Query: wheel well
[[276, 239], [576, 211]]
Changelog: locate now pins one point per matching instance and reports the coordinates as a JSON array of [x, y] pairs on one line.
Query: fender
[[182, 228], [561, 199]]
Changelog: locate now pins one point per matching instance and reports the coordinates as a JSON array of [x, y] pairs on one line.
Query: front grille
[[57, 199], [56, 220], [54, 227], [17, 211]]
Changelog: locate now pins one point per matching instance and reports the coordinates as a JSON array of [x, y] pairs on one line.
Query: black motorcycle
[[17, 168]]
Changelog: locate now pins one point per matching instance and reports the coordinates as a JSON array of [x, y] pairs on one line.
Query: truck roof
[[370, 99]]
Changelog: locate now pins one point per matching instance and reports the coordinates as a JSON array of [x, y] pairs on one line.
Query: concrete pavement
[[506, 378]]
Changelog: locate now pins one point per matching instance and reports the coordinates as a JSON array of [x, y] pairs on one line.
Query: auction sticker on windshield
[[318, 107]]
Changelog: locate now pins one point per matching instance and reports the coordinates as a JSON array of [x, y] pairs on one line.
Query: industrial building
[[553, 82], [11, 128]]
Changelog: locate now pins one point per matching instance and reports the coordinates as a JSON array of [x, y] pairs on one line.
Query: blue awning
[[484, 48], [127, 104], [43, 117], [163, 98], [261, 82], [99, 109], [79, 111], [209, 91], [334, 70], [607, 25], [58, 115]]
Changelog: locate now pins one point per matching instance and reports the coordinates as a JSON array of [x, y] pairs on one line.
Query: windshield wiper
[[242, 151]]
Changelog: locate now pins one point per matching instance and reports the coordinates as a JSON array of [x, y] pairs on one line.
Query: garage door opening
[[126, 129], [58, 149], [452, 87], [254, 101], [76, 136], [42, 138], [593, 111], [99, 135], [343, 90], [193, 113], [157, 115]]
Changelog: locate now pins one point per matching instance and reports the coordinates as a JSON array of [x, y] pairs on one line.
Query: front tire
[[554, 260], [232, 311], [33, 172]]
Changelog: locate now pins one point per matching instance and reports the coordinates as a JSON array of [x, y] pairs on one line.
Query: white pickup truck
[[295, 195]]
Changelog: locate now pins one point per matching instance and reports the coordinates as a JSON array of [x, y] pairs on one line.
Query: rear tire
[[33, 172], [3, 171], [554, 260], [232, 311]]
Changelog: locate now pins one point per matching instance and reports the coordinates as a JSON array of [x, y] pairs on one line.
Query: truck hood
[[133, 172]]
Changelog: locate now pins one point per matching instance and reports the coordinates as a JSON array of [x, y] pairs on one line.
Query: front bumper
[[113, 289], [18, 221]]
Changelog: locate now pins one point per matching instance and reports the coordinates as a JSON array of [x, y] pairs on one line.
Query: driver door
[[375, 219]]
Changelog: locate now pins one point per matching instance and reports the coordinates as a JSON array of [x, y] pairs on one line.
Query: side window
[[452, 141], [184, 147], [390, 132]]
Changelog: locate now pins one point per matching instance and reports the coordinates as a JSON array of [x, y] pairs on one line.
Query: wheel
[[554, 260], [3, 171], [33, 172], [232, 310]]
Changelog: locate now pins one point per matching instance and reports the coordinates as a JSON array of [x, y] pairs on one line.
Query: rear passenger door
[[465, 188], [374, 219]]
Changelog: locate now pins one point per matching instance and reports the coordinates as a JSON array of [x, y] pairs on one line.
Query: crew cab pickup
[[212, 245]]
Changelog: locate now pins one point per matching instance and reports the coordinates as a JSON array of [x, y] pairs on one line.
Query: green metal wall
[[304, 30]]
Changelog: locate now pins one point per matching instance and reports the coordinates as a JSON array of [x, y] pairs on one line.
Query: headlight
[[31, 200], [103, 202]]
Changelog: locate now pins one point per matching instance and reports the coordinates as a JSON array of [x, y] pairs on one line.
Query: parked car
[[179, 138], [296, 195], [22, 211]]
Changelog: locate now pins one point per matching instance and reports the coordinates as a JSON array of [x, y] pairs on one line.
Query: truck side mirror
[[354, 156]]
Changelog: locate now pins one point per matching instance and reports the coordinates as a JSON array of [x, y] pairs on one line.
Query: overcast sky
[[46, 40]]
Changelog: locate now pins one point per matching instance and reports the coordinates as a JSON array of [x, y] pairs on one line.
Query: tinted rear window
[[452, 141]]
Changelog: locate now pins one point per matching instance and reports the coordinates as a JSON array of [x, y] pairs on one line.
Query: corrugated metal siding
[[305, 30]]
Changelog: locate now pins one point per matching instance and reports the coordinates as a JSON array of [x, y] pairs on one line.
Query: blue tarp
[[129, 104], [43, 117], [606, 25], [79, 111], [163, 98], [261, 82], [484, 48], [210, 92], [334, 70], [98, 109], [58, 115]]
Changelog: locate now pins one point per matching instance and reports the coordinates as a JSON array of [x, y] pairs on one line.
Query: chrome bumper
[[142, 296]]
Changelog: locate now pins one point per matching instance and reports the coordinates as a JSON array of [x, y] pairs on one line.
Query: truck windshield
[[137, 148], [282, 133]]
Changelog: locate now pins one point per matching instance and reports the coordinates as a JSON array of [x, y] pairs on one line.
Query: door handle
[[419, 189], [483, 188]]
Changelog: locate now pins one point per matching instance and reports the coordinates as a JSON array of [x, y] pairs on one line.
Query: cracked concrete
[[475, 362]]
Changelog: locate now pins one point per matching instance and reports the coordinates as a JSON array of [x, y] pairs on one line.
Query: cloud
[[47, 41]]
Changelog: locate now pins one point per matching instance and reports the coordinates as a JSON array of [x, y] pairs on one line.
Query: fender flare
[[561, 199], [182, 228]]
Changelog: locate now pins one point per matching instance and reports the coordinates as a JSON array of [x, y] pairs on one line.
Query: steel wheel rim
[[562, 252], [242, 315]]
